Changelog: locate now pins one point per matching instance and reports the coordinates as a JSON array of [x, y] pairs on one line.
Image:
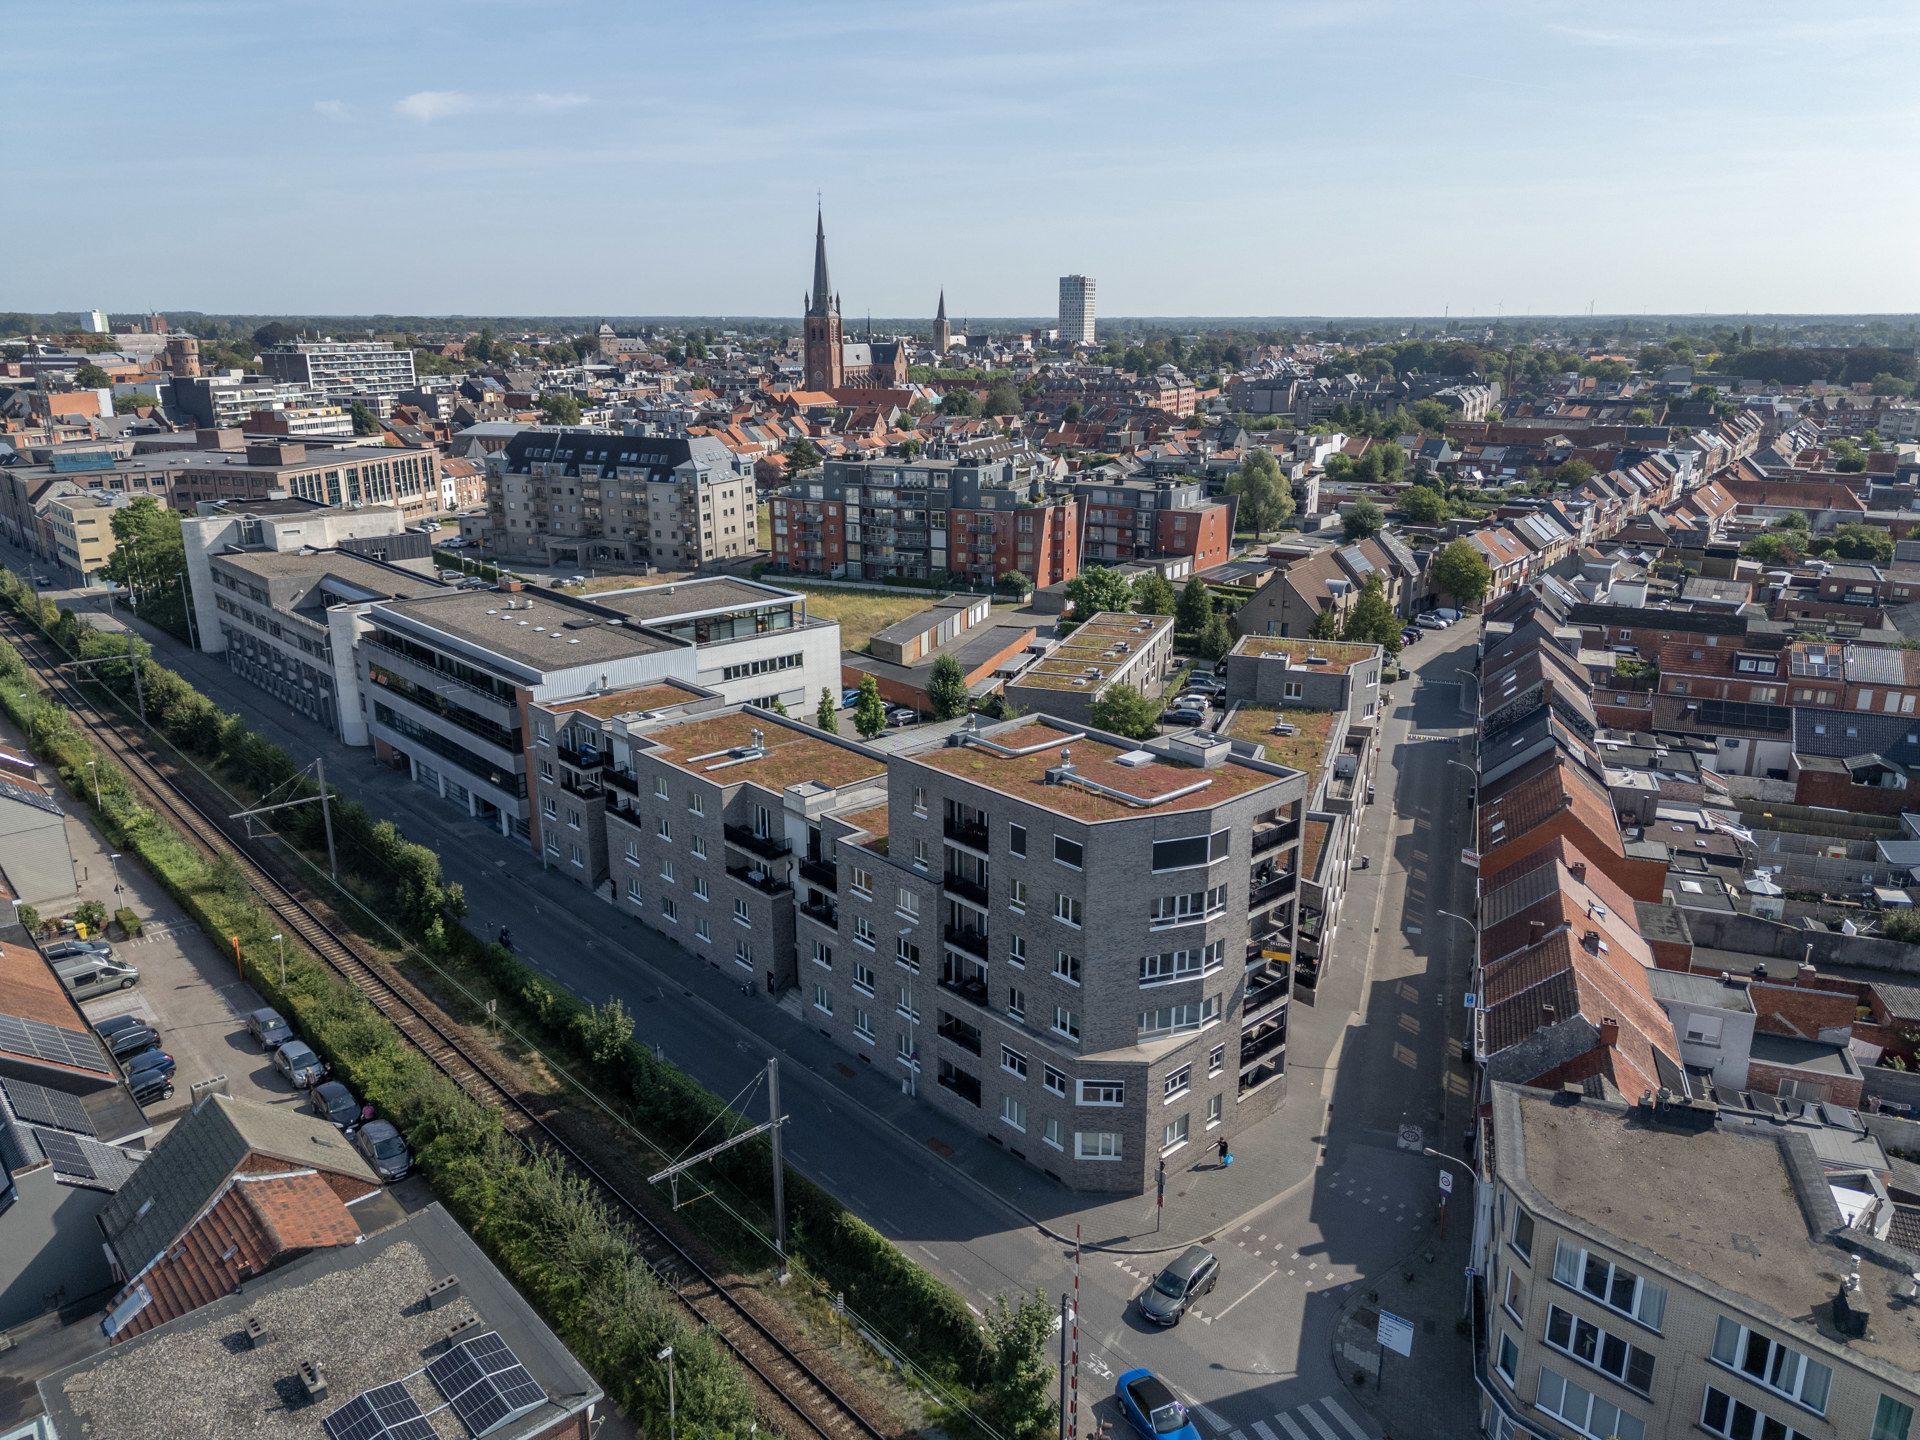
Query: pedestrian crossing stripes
[[1322, 1419]]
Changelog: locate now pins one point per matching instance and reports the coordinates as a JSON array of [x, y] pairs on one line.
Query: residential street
[[1324, 1197]]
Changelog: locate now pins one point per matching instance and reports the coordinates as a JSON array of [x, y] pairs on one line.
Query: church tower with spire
[[825, 359], [942, 331]]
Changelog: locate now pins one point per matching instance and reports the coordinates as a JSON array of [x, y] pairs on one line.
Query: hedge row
[[545, 1228], [922, 1318]]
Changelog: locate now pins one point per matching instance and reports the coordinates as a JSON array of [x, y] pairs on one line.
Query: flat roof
[[1307, 654], [972, 648], [627, 702], [317, 565], [1305, 749], [1024, 776], [935, 614], [650, 604], [700, 745], [526, 627], [1089, 657], [1690, 987]]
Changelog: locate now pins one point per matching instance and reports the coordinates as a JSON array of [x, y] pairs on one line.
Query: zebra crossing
[[1324, 1418]]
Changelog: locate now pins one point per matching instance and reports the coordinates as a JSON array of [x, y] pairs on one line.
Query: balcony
[[958, 1032], [582, 759], [1268, 984], [826, 912], [619, 779], [967, 938], [765, 881], [1257, 1042], [1272, 837], [966, 1086], [821, 873], [767, 847], [1267, 892], [962, 888], [971, 833], [585, 789], [967, 985]]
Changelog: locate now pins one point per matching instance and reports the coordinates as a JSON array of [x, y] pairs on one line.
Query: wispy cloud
[[331, 109], [427, 106]]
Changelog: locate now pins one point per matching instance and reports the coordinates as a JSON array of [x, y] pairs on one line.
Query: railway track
[[789, 1383]]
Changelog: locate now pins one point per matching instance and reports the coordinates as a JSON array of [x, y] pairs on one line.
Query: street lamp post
[[673, 1420], [94, 766], [281, 941], [113, 859], [1473, 1182]]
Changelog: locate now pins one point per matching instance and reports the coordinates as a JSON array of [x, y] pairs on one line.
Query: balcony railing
[[767, 847], [582, 759], [971, 891], [1261, 1041], [620, 779], [967, 987], [967, 1037], [1272, 837], [972, 833], [585, 789], [1267, 985], [966, 1086], [821, 873], [967, 938], [765, 881], [1268, 891], [825, 911]]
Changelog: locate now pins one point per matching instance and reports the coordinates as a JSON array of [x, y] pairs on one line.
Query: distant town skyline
[[1323, 158]]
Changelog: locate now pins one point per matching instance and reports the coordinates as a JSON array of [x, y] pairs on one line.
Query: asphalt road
[[1372, 1059]]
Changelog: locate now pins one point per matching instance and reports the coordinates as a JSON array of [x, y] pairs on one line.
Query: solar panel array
[[485, 1383], [51, 1043], [65, 1153], [386, 1412], [37, 1105]]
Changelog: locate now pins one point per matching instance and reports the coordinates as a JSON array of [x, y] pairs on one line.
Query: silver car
[[299, 1064], [1179, 1285]]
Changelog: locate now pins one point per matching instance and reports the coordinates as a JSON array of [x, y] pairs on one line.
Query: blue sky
[[1334, 157]]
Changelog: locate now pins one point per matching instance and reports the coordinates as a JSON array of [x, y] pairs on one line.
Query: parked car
[[384, 1150], [453, 542], [111, 1026], [1431, 621], [1200, 680], [131, 1040], [151, 1086], [148, 1060], [1410, 635], [333, 1101], [67, 949], [1186, 715], [269, 1031], [89, 975], [1151, 1409], [1175, 1288], [849, 699], [901, 715], [299, 1064], [474, 582], [1450, 615]]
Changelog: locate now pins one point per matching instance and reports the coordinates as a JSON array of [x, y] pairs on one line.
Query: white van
[[86, 976]]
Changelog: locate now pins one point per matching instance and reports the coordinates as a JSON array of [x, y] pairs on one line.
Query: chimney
[[1536, 931], [1806, 975], [1609, 1032], [257, 1333], [443, 1291], [1578, 870], [313, 1380], [511, 585], [1591, 941], [1548, 1015]]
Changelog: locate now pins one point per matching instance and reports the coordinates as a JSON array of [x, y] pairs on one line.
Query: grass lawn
[[863, 613], [763, 519], [627, 582]]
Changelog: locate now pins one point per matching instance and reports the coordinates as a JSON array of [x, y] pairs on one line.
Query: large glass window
[[1579, 1408], [1612, 1356], [1767, 1362], [1721, 1414], [1612, 1285]]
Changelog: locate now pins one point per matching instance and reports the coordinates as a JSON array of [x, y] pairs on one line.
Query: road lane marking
[[1292, 1429], [1333, 1408], [1211, 1418], [1221, 1315], [1260, 1429], [1326, 1430]]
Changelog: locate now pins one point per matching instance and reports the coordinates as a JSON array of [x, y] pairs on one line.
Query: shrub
[[128, 922]]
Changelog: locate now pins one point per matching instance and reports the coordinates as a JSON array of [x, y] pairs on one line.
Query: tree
[[947, 689], [1371, 621], [1266, 498], [960, 402], [364, 422], [1018, 1396], [1097, 588], [869, 711], [1462, 572], [273, 333], [827, 715], [89, 376], [1125, 711], [1215, 638], [150, 560], [559, 409], [1423, 506], [1195, 607], [1847, 456], [1855, 541], [135, 400], [1152, 595], [1571, 474], [1361, 519], [1775, 547], [1002, 399], [1071, 415], [1014, 582], [802, 455]]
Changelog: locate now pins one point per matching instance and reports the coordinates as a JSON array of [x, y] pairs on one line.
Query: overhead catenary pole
[[326, 815], [1073, 1374], [779, 1177], [1064, 1302]]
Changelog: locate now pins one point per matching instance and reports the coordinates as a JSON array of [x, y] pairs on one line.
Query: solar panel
[[485, 1383], [386, 1412], [50, 1043], [37, 1105], [65, 1153]]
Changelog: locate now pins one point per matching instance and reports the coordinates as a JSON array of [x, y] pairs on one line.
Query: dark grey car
[[384, 1150], [1175, 1288]]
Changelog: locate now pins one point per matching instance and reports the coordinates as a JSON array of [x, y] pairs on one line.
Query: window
[[666, 871], [1016, 1002], [1066, 1023], [1017, 895], [1892, 1420], [1703, 1029], [1724, 1415], [577, 856], [1050, 1132], [1013, 1062], [906, 953], [1068, 852], [1590, 1345], [659, 788], [633, 852], [1066, 910], [823, 954], [697, 847], [1514, 1297], [823, 999], [860, 882], [1177, 1082], [1013, 1111], [1216, 1059], [700, 928], [863, 931], [1780, 1368], [1294, 690], [1175, 1019], [743, 954], [695, 803], [1523, 1235], [633, 890], [1173, 1135], [1096, 1145], [1194, 850], [669, 910], [1017, 839], [1509, 1361], [1053, 1079], [1066, 967], [1215, 1103], [922, 854], [1585, 1411], [903, 1004], [740, 915], [907, 903], [862, 978], [863, 1025], [700, 887], [1182, 964], [903, 1048], [1017, 951], [1103, 1092], [1186, 908], [1615, 1287], [549, 809]]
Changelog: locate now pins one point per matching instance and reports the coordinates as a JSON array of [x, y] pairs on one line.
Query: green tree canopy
[[1018, 1397], [1423, 506], [1152, 595], [802, 455], [1215, 637], [1125, 711], [827, 714], [559, 409], [1266, 497], [1195, 607], [89, 376], [1014, 582], [869, 711], [135, 400], [1461, 571], [1847, 456], [1361, 519], [1371, 621], [1002, 398], [1855, 541], [960, 402], [1773, 547], [1098, 588], [365, 422], [947, 689]]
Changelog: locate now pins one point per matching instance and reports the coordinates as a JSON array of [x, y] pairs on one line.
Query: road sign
[[1469, 999], [1446, 1182], [1395, 1334], [1470, 857]]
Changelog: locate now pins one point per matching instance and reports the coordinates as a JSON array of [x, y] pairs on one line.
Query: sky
[[1326, 157]]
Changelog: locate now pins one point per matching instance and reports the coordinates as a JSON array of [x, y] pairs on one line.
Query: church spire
[[823, 296], [941, 313]]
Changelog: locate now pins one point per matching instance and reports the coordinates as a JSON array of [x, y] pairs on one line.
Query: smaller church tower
[[942, 332], [824, 361]]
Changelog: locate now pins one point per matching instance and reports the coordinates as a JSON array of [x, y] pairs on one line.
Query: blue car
[[1154, 1411]]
